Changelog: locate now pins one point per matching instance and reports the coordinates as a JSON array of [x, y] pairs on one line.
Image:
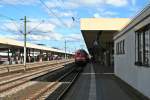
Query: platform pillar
[[9, 60], [21, 54], [17, 56], [47, 56], [33, 55], [40, 56], [29, 56]]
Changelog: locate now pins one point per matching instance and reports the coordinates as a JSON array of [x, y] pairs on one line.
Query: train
[[81, 57]]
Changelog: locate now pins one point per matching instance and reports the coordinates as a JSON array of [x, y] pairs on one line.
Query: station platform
[[98, 82]]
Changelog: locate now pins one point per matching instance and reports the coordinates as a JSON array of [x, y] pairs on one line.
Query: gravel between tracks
[[28, 73], [23, 80], [25, 90]]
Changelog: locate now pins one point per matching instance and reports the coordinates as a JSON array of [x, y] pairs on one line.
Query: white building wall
[[136, 76]]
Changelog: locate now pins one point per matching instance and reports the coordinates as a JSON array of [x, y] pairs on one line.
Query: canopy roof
[[108, 24], [6, 43], [101, 29]]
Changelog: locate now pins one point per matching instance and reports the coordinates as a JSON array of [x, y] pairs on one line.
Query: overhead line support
[[25, 39]]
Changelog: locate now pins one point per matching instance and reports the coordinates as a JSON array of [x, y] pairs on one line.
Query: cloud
[[117, 3], [37, 30], [60, 17], [10, 27], [62, 5], [33, 25], [73, 4], [46, 36], [43, 31], [64, 23], [68, 4], [63, 13], [97, 15], [90, 2], [51, 36], [1, 6], [19, 2], [55, 36], [133, 2], [73, 37], [104, 13], [41, 27], [36, 37]]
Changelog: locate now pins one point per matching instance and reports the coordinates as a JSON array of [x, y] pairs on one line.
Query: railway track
[[20, 68], [57, 89], [44, 90], [15, 75], [35, 69], [16, 81]]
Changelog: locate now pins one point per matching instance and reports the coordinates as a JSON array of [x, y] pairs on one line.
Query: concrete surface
[[103, 87]]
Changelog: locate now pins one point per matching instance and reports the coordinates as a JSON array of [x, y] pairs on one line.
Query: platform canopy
[[6, 43], [100, 31]]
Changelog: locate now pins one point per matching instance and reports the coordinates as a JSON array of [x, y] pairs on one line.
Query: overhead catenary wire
[[56, 14], [62, 5], [75, 19], [13, 6], [42, 2], [32, 30], [41, 32], [36, 26], [12, 20], [7, 29]]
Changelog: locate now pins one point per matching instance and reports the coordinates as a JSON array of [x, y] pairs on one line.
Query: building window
[[120, 47], [123, 46], [142, 46], [116, 48]]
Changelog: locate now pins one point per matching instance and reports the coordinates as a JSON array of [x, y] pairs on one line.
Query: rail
[[61, 94], [17, 81], [18, 67]]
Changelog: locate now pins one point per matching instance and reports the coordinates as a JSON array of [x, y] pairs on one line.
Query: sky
[[51, 22]]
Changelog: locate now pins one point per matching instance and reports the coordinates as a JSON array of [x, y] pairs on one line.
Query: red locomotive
[[81, 57]]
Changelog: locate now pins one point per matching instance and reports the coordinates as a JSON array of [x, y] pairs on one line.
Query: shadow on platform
[[99, 68]]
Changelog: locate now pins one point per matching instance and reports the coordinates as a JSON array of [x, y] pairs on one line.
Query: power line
[[12, 20], [8, 29], [18, 10], [36, 26], [60, 5], [76, 19], [57, 16], [41, 32], [6, 17], [53, 13]]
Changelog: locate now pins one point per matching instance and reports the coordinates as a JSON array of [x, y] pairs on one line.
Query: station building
[[132, 53], [12, 52], [124, 44]]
